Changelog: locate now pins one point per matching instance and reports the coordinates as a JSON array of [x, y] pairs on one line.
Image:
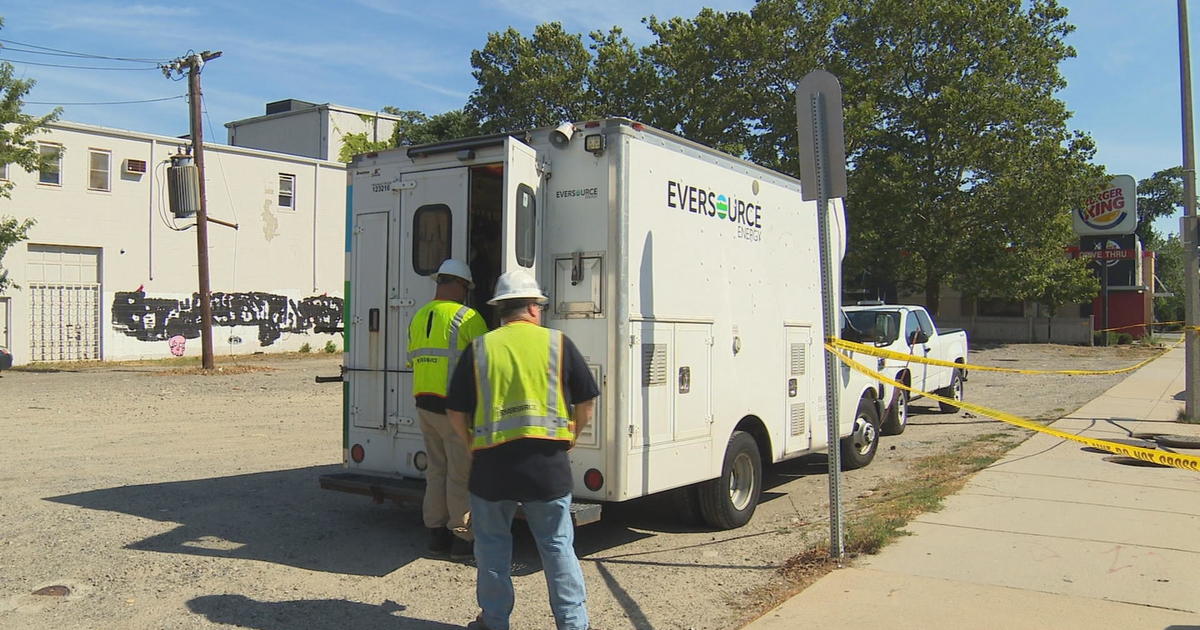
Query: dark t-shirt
[[431, 402], [528, 469]]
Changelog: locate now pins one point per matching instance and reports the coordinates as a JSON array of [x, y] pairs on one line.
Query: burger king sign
[[1110, 211]]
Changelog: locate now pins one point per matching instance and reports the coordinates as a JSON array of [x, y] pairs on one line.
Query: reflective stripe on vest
[[443, 357], [498, 420]]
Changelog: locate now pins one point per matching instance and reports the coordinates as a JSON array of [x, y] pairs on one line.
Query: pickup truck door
[[936, 377], [919, 371]]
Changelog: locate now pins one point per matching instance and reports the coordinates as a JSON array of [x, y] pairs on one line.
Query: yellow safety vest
[[518, 386], [437, 336]]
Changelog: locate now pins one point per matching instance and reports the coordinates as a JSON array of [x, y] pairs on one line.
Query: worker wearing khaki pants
[[437, 335]]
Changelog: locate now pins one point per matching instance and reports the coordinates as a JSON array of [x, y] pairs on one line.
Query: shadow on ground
[[311, 614], [283, 517]]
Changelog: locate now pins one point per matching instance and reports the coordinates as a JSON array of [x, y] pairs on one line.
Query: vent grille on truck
[[798, 419], [654, 364], [798, 358]]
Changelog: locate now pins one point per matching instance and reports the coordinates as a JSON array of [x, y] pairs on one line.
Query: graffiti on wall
[[163, 319]]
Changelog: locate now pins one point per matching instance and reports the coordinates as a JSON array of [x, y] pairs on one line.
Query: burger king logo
[[1110, 211]]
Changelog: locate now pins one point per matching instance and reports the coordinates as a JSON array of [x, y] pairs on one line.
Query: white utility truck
[[688, 278], [908, 329]]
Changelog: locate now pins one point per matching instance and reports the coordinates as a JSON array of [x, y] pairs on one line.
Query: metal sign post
[[823, 171]]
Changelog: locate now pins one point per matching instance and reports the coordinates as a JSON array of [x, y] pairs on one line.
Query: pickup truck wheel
[[954, 391], [728, 501], [897, 415], [858, 448]]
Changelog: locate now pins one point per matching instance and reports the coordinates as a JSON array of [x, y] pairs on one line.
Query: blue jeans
[[550, 522]]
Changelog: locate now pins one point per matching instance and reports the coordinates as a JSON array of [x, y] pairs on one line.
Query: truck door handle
[[685, 380], [791, 388], [373, 320]]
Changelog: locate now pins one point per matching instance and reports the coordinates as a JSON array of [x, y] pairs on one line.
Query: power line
[[149, 100], [70, 53], [53, 54], [59, 65]]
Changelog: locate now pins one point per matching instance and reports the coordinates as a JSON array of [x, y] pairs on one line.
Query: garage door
[[64, 300]]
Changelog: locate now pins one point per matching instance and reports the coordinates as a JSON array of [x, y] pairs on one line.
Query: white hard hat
[[457, 269], [513, 285]]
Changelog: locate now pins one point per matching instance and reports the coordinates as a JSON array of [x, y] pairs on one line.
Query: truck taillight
[[421, 461], [357, 453], [593, 479]]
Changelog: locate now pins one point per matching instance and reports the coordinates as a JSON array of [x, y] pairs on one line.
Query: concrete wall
[[315, 131], [275, 280], [296, 133], [1065, 330]]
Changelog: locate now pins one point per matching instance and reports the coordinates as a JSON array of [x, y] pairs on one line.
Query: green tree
[[963, 171], [17, 147], [1169, 270], [414, 127], [968, 171], [1159, 195], [529, 82]]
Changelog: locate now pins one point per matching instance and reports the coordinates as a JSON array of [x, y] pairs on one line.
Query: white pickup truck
[[909, 329]]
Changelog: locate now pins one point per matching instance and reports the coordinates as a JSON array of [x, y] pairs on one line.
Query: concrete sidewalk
[[1051, 536]]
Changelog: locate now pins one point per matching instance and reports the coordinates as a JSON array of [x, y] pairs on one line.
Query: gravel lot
[[164, 499]]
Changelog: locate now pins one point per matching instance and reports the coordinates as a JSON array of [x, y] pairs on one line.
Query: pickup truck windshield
[[882, 327]]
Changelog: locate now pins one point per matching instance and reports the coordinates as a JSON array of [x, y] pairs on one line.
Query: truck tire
[[954, 391], [897, 415], [859, 448], [728, 501]]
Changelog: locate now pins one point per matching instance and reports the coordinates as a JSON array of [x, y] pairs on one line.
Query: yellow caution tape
[[1175, 460], [1148, 325], [900, 356]]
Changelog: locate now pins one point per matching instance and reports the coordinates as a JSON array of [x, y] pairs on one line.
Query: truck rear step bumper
[[412, 491]]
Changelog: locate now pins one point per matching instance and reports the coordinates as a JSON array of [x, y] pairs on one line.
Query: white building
[[308, 129], [109, 273]]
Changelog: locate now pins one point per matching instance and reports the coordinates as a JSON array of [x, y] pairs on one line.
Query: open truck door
[[521, 216]]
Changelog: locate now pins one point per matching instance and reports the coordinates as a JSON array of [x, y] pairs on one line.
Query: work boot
[[462, 549], [440, 540]]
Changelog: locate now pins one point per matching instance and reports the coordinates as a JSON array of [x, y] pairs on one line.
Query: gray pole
[[829, 306], [1191, 271]]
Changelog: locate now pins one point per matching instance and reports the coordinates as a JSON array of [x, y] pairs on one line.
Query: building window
[[431, 238], [3, 172], [98, 169], [287, 191], [51, 172]]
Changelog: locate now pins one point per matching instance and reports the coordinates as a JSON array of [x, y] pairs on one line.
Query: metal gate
[[64, 303]]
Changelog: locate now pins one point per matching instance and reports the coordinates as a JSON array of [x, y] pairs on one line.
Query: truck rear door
[[521, 216], [431, 227]]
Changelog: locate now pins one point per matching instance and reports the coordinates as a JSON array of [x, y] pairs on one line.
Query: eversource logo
[[745, 215], [586, 193]]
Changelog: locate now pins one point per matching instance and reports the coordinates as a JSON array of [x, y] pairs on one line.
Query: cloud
[[588, 15], [141, 9]]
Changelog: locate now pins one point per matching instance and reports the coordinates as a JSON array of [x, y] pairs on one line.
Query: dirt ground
[[168, 500]]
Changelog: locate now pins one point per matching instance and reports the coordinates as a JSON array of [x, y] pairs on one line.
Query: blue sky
[[1123, 86]]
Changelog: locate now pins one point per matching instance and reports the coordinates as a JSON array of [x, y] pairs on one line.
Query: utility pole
[[1188, 229], [193, 64]]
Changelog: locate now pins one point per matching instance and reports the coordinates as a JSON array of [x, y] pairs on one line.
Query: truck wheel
[[954, 391], [897, 416], [728, 501], [858, 448]]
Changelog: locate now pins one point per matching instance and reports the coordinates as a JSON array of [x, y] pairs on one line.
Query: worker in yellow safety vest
[[520, 395], [437, 335]]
